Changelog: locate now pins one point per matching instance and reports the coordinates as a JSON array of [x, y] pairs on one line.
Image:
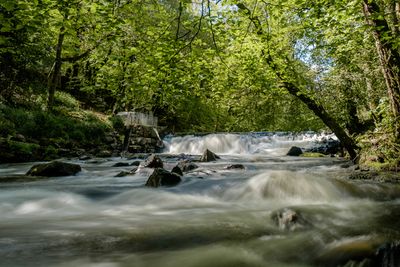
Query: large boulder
[[162, 177], [153, 161], [54, 169], [294, 151], [209, 156]]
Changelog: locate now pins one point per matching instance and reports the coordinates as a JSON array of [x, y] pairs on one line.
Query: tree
[[387, 46], [285, 73]]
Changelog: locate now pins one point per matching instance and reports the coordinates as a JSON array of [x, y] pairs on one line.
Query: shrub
[[66, 100], [23, 151], [50, 152], [6, 127], [117, 123]]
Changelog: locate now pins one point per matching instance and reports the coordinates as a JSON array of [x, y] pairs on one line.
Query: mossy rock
[[54, 169], [312, 155]]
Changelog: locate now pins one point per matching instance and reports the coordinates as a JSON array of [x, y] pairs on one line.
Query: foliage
[[66, 100], [117, 123], [200, 66]]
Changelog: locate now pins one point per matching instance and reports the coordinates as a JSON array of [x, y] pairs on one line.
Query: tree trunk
[[389, 58], [55, 76], [393, 18]]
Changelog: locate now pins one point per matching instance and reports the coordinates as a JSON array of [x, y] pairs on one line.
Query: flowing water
[[214, 217]]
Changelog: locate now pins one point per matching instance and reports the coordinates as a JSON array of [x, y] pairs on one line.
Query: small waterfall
[[274, 144]]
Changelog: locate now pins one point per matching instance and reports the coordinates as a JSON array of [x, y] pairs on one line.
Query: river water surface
[[214, 217]]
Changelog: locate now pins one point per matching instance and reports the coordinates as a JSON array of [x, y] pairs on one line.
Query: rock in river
[[294, 151], [288, 219], [153, 161], [209, 156], [177, 170], [186, 165], [54, 168], [161, 177], [235, 166]]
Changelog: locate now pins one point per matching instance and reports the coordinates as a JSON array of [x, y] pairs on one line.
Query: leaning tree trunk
[[55, 76], [327, 119], [389, 58], [340, 132]]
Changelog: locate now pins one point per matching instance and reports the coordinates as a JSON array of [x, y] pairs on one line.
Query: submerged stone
[[121, 164], [235, 166], [126, 173], [54, 169]]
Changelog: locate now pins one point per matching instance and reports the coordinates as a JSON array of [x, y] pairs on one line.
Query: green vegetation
[[43, 126], [35, 134], [204, 66]]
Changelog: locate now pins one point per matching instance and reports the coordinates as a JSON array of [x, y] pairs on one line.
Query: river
[[214, 217]]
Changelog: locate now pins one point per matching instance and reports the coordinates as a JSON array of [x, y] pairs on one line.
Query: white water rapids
[[215, 217], [272, 144]]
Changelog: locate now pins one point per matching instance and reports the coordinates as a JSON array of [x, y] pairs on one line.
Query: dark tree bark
[[389, 58], [346, 140], [55, 76]]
